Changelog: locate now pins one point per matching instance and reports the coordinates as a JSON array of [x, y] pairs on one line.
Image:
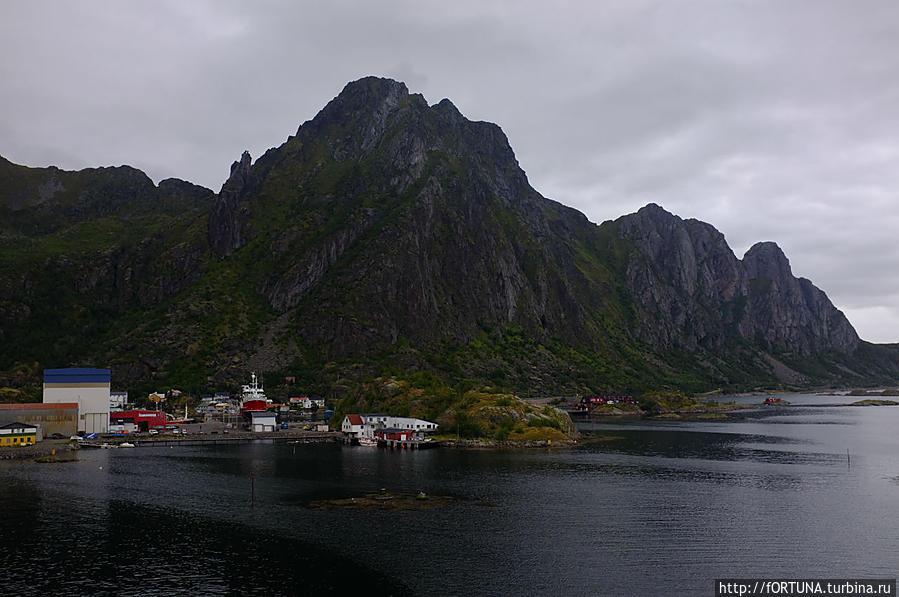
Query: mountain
[[394, 242]]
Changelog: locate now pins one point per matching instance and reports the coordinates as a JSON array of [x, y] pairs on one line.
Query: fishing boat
[[368, 441], [252, 396], [254, 407]]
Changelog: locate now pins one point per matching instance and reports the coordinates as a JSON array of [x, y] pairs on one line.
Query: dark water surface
[[640, 508]]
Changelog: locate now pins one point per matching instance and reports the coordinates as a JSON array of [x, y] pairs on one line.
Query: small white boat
[[368, 441], [126, 445]]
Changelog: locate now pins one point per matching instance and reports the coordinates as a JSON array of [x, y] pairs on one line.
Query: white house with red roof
[[352, 425], [365, 425]]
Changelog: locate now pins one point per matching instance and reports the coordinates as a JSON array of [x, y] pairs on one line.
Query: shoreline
[[637, 413], [42, 449], [508, 444]]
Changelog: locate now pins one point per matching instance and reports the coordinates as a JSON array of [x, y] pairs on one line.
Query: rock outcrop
[[230, 217]]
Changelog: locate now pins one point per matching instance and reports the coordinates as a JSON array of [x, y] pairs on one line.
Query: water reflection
[[640, 507]]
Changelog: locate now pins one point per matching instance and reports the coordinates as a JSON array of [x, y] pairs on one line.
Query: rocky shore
[[39, 450]]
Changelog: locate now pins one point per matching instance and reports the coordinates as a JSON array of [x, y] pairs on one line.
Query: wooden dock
[[407, 444]]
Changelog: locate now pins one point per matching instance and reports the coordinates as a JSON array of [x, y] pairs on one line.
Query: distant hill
[[389, 240]]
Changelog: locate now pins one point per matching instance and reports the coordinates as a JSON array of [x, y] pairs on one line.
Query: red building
[[397, 434], [142, 420], [588, 403]]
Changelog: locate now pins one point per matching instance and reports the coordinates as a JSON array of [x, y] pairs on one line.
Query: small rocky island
[[383, 500]]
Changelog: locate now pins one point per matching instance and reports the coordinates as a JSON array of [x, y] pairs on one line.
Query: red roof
[[38, 405], [354, 419]]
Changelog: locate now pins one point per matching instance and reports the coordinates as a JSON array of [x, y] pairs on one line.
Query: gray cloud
[[770, 120]]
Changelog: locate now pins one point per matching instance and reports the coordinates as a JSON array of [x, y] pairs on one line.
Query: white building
[[89, 388], [261, 420], [366, 425], [306, 402], [352, 425], [118, 400]]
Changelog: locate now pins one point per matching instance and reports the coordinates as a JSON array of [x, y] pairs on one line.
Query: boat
[[254, 407], [368, 441], [252, 396], [126, 445], [775, 401]]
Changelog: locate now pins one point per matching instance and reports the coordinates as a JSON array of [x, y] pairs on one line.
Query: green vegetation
[[872, 402], [667, 404], [501, 417]]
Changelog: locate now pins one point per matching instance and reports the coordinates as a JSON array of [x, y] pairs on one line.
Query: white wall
[[93, 404]]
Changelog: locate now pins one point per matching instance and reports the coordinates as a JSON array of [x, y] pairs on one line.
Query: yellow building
[[17, 434]]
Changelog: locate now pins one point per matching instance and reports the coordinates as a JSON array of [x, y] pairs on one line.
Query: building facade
[[400, 435], [306, 402], [366, 425], [17, 434], [352, 425], [118, 401], [89, 388], [138, 421], [59, 418], [260, 420]]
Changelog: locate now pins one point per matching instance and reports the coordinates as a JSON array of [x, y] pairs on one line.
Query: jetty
[[407, 444]]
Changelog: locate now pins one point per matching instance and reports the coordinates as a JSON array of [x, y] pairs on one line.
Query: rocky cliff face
[[791, 313], [230, 217], [697, 292], [685, 278], [389, 236]]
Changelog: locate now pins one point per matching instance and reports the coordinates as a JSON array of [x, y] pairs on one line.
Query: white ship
[[252, 396]]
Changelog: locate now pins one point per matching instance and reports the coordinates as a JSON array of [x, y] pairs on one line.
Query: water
[[639, 508]]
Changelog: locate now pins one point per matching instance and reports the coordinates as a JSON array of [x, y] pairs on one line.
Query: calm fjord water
[[639, 508]]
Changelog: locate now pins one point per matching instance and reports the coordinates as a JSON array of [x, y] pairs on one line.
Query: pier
[[407, 444]]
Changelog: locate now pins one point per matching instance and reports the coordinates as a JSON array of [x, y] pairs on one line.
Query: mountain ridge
[[392, 238]]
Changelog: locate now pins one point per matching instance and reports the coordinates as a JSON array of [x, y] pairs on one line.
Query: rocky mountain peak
[[240, 172], [448, 111], [767, 260], [371, 92], [230, 215]]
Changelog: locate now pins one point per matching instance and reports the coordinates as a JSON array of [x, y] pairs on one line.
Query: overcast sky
[[771, 120]]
